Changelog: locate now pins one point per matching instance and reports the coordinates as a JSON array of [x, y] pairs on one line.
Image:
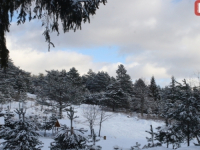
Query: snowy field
[[120, 130]]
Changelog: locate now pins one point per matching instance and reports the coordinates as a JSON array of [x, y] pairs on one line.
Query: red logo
[[197, 8]]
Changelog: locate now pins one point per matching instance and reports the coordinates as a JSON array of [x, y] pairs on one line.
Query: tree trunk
[[71, 128], [188, 134], [197, 139], [99, 128], [142, 106], [60, 110], [113, 106], [91, 128], [41, 107]]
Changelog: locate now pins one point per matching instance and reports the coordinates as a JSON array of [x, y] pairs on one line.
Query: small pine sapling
[[71, 116], [136, 147], [22, 136], [94, 139], [151, 139], [64, 140]]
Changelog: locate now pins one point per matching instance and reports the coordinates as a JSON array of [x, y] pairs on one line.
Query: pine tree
[[71, 116], [140, 102], [115, 97], [21, 137], [56, 89], [153, 90], [69, 138], [154, 94], [76, 89], [74, 77], [21, 88], [186, 113], [89, 80], [65, 141], [101, 81], [124, 79], [174, 90], [167, 135]]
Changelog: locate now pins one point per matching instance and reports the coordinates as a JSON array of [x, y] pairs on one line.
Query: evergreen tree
[[8, 81], [89, 80], [115, 97], [74, 77], [174, 90], [94, 98], [71, 116], [100, 82], [124, 79], [76, 89], [65, 141], [140, 102], [21, 88], [56, 89], [186, 113], [21, 137], [153, 90], [69, 138], [154, 94], [167, 135]]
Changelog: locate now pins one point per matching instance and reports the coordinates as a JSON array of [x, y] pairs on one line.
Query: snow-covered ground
[[120, 130]]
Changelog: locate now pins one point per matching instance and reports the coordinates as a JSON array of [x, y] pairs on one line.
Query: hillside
[[121, 130]]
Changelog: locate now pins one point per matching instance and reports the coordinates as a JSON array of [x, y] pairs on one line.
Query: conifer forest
[[58, 94]]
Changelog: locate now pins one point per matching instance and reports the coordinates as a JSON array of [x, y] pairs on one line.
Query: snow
[[122, 129], [159, 148], [183, 148], [1, 120], [64, 122], [33, 96], [190, 148]]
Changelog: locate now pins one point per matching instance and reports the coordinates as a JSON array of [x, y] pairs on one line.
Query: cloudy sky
[[150, 37]]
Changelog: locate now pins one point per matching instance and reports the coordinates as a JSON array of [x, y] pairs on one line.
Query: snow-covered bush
[[67, 140], [21, 137]]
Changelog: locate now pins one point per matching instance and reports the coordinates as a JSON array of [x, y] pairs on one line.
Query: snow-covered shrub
[[67, 140], [21, 137]]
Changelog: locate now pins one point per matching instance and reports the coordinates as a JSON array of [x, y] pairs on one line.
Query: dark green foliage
[[140, 102], [88, 80], [96, 82], [74, 77], [167, 135], [124, 79], [152, 138], [21, 135], [115, 97], [154, 93], [101, 81], [64, 140], [70, 13], [154, 90], [174, 91], [14, 83], [94, 98], [184, 113]]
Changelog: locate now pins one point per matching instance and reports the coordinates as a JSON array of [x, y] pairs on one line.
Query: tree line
[[178, 103]]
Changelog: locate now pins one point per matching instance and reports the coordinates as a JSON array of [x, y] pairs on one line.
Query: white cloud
[[159, 37], [37, 62]]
